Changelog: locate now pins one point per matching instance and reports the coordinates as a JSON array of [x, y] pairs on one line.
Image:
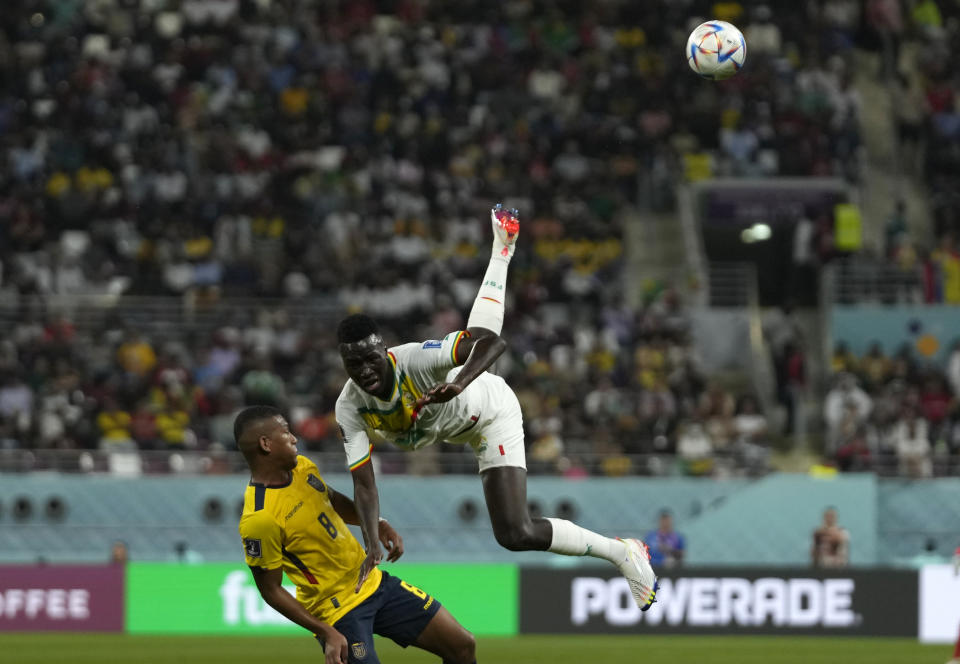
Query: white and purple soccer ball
[[716, 50]]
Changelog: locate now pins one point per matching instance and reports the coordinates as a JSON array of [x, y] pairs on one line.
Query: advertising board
[[62, 598], [723, 601]]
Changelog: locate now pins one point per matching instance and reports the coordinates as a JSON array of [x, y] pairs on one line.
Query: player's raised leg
[[500, 451], [487, 310], [505, 491]]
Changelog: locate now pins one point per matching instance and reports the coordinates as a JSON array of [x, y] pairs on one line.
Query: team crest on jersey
[[252, 547], [359, 649], [316, 483], [433, 343]]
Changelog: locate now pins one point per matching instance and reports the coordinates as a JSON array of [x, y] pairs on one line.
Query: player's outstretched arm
[[389, 537], [366, 500], [476, 353], [268, 583]]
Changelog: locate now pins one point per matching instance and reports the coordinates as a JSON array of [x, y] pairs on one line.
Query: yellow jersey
[[295, 527]]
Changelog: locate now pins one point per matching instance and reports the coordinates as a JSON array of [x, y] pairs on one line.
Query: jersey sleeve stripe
[[456, 344], [364, 460], [300, 566], [396, 384], [259, 494]]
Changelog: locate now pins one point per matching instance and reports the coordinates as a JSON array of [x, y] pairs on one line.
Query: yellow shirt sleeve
[[262, 540]]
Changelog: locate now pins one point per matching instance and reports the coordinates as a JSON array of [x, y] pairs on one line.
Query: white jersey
[[417, 367]]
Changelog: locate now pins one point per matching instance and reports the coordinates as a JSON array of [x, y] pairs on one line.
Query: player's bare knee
[[518, 537], [465, 650]]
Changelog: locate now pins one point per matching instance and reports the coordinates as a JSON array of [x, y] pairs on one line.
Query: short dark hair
[[356, 327], [248, 416]]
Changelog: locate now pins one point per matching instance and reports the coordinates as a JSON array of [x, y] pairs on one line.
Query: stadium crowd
[[895, 410], [344, 151], [116, 389], [918, 265], [895, 414]]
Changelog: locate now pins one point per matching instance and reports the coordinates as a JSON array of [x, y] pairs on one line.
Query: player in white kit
[[421, 393]]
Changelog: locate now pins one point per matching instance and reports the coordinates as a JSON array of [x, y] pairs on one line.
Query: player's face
[[666, 523], [283, 443], [366, 363]]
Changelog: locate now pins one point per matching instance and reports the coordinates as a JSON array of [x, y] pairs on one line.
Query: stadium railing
[[453, 461], [864, 281], [92, 312]]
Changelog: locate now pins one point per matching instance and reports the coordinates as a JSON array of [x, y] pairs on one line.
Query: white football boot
[[639, 574], [506, 228]]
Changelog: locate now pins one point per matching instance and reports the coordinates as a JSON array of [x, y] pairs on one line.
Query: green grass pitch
[[106, 649]]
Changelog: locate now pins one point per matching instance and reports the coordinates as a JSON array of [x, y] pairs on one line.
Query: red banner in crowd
[[70, 598]]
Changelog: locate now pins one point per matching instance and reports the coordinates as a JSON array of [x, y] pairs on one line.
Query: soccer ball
[[716, 50]]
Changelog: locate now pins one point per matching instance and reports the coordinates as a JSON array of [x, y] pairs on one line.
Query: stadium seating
[[168, 163]]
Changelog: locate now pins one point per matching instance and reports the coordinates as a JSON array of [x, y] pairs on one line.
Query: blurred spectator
[[114, 424], [762, 34], [947, 260], [716, 410], [831, 542], [854, 452], [261, 385], [16, 403], [751, 433], [183, 554], [666, 546], [843, 359], [845, 408], [885, 18], [119, 554], [926, 17], [953, 368], [874, 367], [136, 356], [694, 449], [912, 443], [172, 425]]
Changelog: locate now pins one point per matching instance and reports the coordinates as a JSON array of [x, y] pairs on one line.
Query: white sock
[[487, 311], [502, 251], [569, 539]]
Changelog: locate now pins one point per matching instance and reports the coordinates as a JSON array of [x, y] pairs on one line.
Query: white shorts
[[499, 435]]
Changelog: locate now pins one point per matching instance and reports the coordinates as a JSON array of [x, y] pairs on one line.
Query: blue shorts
[[395, 610]]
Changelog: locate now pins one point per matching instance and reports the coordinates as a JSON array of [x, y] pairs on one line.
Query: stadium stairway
[[883, 178], [655, 251]]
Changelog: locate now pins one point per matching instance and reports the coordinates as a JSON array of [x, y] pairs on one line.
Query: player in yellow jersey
[[294, 522]]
